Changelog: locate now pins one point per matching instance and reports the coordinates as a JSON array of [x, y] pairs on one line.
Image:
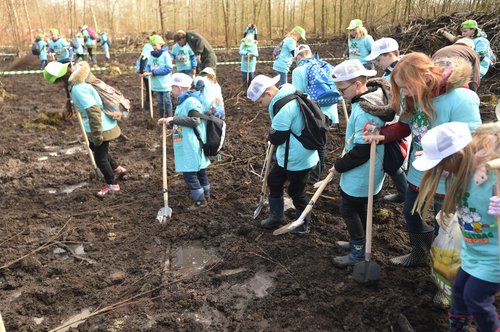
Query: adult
[[205, 55], [284, 59], [463, 48]]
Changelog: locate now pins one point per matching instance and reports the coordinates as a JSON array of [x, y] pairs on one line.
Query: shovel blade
[[289, 227], [366, 272], [163, 214], [257, 210]]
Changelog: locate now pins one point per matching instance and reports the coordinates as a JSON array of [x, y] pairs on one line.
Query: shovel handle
[[150, 97], [369, 212], [2, 327], [164, 166], [346, 116], [269, 155], [142, 92], [86, 139]]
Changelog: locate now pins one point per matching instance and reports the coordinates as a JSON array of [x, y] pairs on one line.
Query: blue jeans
[[476, 297], [413, 221], [43, 63], [164, 101], [250, 76], [197, 183], [283, 78]]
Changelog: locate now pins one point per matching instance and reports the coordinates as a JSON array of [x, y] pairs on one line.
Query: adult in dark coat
[[463, 48], [201, 47]]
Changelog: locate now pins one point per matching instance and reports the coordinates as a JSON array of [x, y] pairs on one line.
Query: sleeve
[[191, 121], [359, 155], [297, 80], [255, 50], [481, 48], [278, 137], [173, 54], [395, 131], [194, 61], [197, 43], [94, 113], [164, 69], [467, 109], [242, 49], [369, 43]]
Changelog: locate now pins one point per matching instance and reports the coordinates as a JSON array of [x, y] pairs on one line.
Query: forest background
[[220, 21]]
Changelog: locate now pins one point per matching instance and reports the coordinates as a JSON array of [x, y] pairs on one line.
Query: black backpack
[[35, 49], [216, 132], [313, 136]]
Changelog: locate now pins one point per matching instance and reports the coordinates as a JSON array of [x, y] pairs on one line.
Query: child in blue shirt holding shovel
[[188, 152], [249, 53]]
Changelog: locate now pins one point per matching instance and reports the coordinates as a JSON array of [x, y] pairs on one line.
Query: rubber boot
[[304, 228], [420, 247], [198, 198], [459, 323], [206, 192], [399, 180], [276, 206], [356, 254]]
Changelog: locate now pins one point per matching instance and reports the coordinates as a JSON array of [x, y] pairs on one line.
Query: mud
[[64, 252]]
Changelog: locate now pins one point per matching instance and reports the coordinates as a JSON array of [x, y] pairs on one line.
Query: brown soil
[[251, 280]]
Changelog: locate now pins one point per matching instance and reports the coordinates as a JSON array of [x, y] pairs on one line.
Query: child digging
[[188, 152]]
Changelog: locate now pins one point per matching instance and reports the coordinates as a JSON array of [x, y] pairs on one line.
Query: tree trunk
[[14, 25], [225, 12], [39, 15], [269, 20]]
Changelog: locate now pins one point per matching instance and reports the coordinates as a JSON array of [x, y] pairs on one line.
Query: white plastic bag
[[445, 253]]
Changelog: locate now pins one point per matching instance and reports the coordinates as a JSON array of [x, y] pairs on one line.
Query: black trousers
[[353, 211], [104, 161], [296, 187]]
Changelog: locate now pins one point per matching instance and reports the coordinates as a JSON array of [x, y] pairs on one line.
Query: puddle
[[208, 316], [260, 283], [187, 261], [77, 319]]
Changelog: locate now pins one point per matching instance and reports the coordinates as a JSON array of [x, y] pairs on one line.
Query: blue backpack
[[320, 85]]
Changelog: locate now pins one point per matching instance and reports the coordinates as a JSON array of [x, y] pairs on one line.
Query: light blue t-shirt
[[480, 231], [360, 48], [103, 40], [284, 60], [458, 105], [85, 96], [43, 50], [182, 56], [483, 48], [248, 66], [60, 49], [355, 181], [161, 83], [146, 50], [290, 118], [188, 153], [299, 81], [80, 49]]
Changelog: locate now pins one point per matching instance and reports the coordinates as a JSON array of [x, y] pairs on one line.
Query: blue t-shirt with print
[[360, 48]]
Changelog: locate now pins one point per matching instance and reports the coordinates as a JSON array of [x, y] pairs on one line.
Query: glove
[[97, 140], [494, 208]]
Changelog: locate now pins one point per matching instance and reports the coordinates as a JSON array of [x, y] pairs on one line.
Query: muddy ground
[[65, 252]]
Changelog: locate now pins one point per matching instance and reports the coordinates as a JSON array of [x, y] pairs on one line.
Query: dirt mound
[[24, 63]]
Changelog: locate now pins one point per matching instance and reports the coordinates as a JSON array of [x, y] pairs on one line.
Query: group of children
[[429, 99], [58, 48]]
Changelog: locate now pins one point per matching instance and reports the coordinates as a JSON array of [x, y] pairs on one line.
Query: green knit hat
[[469, 24], [55, 70], [156, 39]]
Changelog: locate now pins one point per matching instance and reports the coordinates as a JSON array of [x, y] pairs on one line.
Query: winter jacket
[[201, 46]]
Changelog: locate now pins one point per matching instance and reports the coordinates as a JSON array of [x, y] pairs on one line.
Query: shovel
[[495, 165], [165, 212], [346, 116], [142, 92], [291, 226], [248, 70], [150, 97], [367, 271], [267, 163], [96, 173]]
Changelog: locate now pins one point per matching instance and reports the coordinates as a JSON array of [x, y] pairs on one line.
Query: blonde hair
[[418, 71], [485, 146], [361, 32]]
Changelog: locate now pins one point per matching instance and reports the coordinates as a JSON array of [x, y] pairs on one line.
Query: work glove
[[97, 140], [494, 208]]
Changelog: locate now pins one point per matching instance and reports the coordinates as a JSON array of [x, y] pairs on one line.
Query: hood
[[480, 33], [158, 53], [456, 73], [187, 94], [376, 101], [81, 73]]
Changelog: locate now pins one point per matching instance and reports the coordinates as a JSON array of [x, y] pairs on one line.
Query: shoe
[[394, 198], [197, 205], [344, 261], [109, 188], [120, 170]]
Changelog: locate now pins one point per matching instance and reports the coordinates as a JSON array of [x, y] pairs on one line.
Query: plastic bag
[[445, 253]]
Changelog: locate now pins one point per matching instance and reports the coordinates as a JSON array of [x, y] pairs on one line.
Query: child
[[249, 54], [450, 148], [188, 153], [385, 54], [43, 50], [159, 68], [284, 60], [58, 47], [140, 67], [90, 43], [359, 43], [210, 93], [351, 78], [304, 59], [296, 168], [251, 30], [481, 44], [100, 128], [185, 59], [433, 95], [104, 41], [78, 49]]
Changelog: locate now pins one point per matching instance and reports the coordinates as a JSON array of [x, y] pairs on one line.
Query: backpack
[[320, 85], [92, 33], [115, 105], [216, 133], [35, 49], [313, 136], [277, 50]]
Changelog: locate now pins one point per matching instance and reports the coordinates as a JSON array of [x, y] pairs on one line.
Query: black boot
[[420, 247], [276, 206]]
